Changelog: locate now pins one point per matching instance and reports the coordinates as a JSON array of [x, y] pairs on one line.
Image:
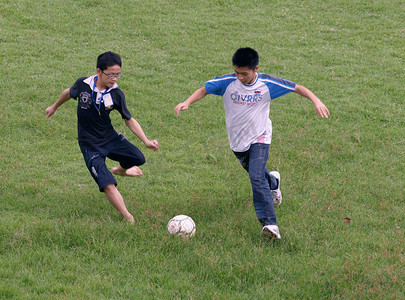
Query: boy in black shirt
[[97, 96]]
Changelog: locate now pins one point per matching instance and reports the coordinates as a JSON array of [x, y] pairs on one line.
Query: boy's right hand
[[181, 106]]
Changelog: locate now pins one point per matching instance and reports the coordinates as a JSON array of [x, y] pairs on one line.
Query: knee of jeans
[[256, 179]]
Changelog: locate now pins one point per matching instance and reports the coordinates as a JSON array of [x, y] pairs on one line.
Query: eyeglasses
[[113, 75]]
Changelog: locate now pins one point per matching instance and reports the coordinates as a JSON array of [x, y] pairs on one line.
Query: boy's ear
[[98, 70], [256, 68]]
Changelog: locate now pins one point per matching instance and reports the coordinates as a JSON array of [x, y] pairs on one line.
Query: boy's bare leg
[[133, 172], [115, 198]]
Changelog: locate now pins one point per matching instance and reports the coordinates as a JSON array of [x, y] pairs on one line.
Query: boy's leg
[[254, 162], [115, 198], [263, 201], [95, 162]]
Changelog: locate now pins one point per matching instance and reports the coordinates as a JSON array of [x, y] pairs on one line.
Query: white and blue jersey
[[247, 107]]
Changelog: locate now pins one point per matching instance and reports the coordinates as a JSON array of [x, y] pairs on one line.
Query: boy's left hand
[[154, 145]]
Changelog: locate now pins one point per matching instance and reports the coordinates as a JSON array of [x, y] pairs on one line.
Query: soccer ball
[[181, 225]]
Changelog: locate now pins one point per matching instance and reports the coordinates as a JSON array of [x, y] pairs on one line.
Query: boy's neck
[[100, 86], [254, 78]]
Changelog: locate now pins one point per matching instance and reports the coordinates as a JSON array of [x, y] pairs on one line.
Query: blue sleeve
[[218, 85], [277, 86]]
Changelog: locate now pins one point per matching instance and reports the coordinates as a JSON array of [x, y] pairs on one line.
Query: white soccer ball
[[181, 225]]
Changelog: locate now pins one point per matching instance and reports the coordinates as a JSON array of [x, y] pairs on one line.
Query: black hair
[[245, 57], [108, 59]]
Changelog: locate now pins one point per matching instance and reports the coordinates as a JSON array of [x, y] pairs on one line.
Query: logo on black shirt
[[85, 100]]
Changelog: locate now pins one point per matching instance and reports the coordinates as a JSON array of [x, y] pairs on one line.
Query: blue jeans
[[254, 162]]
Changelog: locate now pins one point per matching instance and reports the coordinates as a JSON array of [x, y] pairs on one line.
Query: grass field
[[342, 217]]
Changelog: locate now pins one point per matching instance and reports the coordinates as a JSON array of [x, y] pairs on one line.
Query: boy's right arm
[[197, 95], [64, 96]]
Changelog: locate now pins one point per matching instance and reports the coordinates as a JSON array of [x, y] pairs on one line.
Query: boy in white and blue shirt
[[247, 95]]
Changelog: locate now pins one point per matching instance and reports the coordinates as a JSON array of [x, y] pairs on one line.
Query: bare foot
[[133, 172]]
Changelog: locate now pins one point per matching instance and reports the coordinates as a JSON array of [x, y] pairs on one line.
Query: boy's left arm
[[137, 130], [320, 108]]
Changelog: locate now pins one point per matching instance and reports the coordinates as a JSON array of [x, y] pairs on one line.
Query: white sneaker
[[276, 194], [272, 231]]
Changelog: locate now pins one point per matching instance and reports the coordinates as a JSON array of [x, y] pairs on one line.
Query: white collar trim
[[90, 82]]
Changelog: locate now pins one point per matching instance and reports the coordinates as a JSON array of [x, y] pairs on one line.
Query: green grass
[[60, 238]]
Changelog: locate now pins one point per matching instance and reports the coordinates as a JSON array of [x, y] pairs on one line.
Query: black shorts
[[120, 149]]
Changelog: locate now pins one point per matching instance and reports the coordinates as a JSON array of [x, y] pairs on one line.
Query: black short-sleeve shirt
[[94, 126]]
